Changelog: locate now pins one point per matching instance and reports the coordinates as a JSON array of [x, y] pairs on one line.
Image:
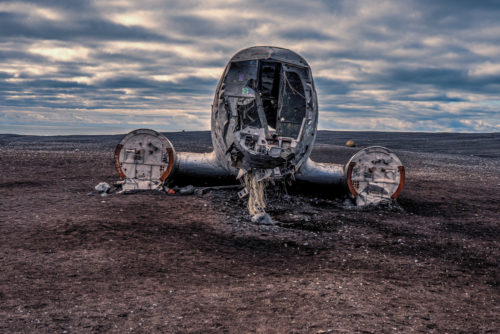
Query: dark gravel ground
[[158, 263]]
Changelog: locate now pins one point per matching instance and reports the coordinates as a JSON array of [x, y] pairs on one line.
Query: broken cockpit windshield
[[292, 107], [267, 94]]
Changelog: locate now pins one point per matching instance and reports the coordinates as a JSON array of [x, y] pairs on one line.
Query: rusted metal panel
[[350, 185], [170, 167]]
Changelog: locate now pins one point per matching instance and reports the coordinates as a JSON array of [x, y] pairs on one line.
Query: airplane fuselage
[[265, 111]]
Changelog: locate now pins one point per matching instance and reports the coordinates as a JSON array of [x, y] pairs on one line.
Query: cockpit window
[[267, 94], [240, 79], [270, 78], [292, 109]]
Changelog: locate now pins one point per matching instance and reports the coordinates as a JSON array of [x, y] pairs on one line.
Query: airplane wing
[[145, 159]]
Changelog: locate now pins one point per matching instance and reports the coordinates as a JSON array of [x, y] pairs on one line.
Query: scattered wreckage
[[264, 122]]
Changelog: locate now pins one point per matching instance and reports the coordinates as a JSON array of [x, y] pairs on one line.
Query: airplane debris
[[264, 122], [255, 183], [375, 175], [187, 190], [103, 187], [144, 160]]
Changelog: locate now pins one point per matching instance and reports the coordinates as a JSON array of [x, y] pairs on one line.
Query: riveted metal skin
[[374, 175], [144, 159]]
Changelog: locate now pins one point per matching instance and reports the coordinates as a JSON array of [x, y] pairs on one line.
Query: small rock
[[400, 241], [90, 194], [104, 194], [262, 219], [350, 143]]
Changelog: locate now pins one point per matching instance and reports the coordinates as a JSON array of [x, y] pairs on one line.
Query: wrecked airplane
[[264, 122]]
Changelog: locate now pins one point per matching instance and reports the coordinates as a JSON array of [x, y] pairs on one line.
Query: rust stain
[[165, 174], [117, 161], [401, 182], [349, 179]]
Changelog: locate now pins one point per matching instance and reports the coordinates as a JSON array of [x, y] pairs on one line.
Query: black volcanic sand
[[151, 262]]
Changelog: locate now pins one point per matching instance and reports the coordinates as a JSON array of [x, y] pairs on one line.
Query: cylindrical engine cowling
[[145, 159], [374, 175]]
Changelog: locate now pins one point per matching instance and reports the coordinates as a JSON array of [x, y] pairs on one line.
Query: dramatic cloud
[[112, 66]]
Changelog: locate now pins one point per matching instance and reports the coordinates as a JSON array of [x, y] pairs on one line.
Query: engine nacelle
[[144, 159]]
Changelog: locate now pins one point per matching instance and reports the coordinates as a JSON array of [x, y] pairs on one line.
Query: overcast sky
[[111, 66]]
